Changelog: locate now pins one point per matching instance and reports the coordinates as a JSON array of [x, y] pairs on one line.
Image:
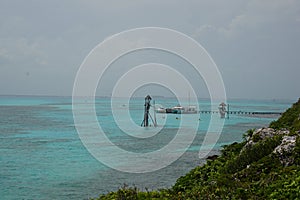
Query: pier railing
[[241, 112]]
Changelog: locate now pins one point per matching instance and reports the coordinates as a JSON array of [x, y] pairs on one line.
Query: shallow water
[[42, 156]]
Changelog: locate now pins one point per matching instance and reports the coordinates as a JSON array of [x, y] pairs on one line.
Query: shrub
[[252, 154]]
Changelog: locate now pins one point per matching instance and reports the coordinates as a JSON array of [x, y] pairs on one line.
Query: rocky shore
[[283, 150], [266, 165]]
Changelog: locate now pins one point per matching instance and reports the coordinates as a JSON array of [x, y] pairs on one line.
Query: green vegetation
[[290, 119], [133, 193], [246, 170]]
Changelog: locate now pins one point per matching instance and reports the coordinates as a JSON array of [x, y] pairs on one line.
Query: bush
[[252, 154], [289, 119]]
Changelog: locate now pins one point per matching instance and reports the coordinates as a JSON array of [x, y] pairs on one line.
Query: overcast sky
[[255, 43]]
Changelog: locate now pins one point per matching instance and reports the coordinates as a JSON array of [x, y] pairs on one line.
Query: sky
[[254, 43]]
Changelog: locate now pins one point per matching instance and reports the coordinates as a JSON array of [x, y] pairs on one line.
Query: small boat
[[160, 110]]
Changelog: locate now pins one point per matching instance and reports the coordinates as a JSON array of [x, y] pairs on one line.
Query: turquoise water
[[42, 156]]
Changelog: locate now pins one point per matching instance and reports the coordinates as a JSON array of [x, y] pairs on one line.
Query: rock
[[249, 144], [214, 157], [260, 134], [285, 149], [283, 132], [264, 133]]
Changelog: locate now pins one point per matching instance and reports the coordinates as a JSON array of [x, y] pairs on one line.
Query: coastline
[[265, 165]]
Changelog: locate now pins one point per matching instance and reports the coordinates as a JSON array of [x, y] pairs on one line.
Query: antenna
[[147, 105]]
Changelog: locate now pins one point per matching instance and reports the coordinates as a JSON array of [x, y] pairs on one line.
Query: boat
[[160, 110], [178, 110]]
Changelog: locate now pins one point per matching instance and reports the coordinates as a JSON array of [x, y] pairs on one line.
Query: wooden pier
[[241, 112]]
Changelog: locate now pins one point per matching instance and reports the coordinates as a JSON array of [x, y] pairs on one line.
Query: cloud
[[257, 46], [262, 15], [243, 37], [21, 52], [254, 16]]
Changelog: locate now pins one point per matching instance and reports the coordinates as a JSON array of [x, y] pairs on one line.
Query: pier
[[241, 112], [223, 110]]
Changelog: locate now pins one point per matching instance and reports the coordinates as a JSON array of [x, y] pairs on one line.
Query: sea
[[42, 156]]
